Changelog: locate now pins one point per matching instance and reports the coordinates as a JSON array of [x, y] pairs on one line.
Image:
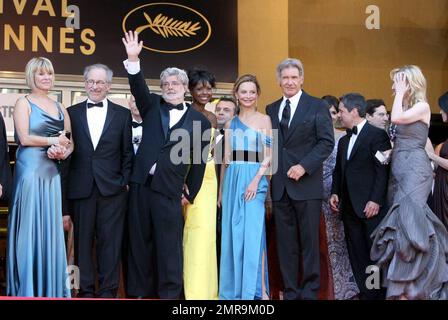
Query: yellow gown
[[199, 242]]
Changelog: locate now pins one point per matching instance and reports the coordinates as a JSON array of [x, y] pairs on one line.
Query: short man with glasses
[[98, 182], [167, 174]]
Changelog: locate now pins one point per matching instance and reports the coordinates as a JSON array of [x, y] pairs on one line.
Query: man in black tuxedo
[[98, 182], [360, 186], [305, 140], [167, 174], [5, 169]]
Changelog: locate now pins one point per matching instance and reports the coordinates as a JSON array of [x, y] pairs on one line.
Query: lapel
[[164, 117], [302, 109], [344, 141], [361, 136], [83, 120], [274, 118], [111, 111]]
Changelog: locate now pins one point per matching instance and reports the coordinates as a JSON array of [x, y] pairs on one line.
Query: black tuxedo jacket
[[156, 144], [309, 142], [109, 165], [5, 169], [362, 177]]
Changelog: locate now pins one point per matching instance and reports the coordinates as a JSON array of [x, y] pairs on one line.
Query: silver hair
[[172, 71], [109, 72], [290, 63]]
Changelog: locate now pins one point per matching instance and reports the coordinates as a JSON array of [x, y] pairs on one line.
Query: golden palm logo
[[168, 27]]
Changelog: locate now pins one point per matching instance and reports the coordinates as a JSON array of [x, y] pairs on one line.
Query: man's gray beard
[[169, 98]]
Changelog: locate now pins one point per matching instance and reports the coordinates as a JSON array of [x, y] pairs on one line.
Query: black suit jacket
[[362, 177], [309, 142], [109, 165], [5, 169], [156, 144]]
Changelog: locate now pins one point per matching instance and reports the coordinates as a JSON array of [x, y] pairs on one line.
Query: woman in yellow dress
[[200, 262]]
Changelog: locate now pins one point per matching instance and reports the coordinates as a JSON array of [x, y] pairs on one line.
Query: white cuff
[[132, 67]]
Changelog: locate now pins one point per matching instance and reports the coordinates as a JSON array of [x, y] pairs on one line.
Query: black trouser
[[357, 235], [99, 220], [155, 259], [297, 231]]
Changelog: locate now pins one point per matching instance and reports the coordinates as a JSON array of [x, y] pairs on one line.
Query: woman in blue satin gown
[[243, 268], [36, 256]]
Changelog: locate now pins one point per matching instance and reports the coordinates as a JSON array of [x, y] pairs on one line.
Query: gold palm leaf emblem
[[167, 27]]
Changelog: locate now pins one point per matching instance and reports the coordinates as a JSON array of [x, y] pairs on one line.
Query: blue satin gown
[[36, 256], [243, 269]]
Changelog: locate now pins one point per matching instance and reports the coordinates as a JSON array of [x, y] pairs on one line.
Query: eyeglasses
[[166, 85], [99, 83]]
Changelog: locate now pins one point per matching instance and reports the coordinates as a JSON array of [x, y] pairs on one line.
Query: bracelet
[[52, 140]]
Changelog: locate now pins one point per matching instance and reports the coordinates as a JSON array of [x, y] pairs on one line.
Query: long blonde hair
[[416, 81]]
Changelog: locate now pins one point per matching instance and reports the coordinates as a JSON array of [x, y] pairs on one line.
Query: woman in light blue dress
[[243, 268], [36, 256]]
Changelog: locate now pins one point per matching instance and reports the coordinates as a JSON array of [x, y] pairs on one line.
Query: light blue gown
[[36, 256], [243, 242]]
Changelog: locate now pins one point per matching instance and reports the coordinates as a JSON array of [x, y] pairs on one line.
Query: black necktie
[[286, 115], [180, 106], [354, 130], [136, 124], [221, 131], [98, 104]]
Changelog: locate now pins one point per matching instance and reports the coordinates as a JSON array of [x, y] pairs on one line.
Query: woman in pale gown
[[199, 242], [411, 243]]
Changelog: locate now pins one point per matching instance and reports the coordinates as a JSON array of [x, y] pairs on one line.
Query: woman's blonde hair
[[35, 65], [246, 78], [416, 81]]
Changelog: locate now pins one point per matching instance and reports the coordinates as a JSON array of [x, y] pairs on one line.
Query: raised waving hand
[[132, 45]]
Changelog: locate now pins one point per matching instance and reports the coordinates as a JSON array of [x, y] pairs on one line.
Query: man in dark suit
[[98, 181], [360, 186], [167, 174], [5, 169], [305, 140]]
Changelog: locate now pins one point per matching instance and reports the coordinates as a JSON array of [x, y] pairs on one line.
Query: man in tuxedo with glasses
[[98, 181]]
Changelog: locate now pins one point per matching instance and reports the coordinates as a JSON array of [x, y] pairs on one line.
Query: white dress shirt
[[294, 101], [354, 137], [96, 116], [136, 136]]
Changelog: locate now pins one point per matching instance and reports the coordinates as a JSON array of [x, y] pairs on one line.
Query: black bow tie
[[354, 130], [221, 131], [99, 104], [180, 106], [136, 124]]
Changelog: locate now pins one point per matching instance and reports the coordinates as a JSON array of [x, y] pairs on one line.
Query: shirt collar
[[294, 99], [360, 126]]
